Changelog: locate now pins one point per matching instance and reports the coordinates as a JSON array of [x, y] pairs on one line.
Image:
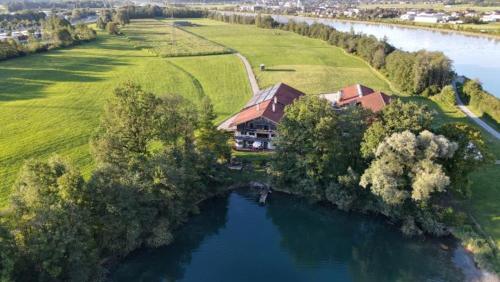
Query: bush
[[447, 96]]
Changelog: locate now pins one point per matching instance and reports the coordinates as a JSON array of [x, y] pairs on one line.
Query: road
[[226, 125], [472, 116], [250, 74]]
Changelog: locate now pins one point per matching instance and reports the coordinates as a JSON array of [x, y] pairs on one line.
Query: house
[[255, 125], [358, 95], [429, 17], [409, 16]]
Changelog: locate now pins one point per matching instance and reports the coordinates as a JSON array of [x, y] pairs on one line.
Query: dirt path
[[250, 74]]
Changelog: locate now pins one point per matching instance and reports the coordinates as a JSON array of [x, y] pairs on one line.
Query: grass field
[[51, 102], [167, 41], [310, 65]]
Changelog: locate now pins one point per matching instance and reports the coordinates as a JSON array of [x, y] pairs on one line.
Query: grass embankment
[[310, 65], [51, 102], [168, 41]]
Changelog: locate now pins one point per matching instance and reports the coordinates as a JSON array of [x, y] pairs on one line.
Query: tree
[[211, 143], [316, 145], [406, 167], [112, 28], [472, 154], [8, 254], [52, 229], [398, 116], [121, 17], [447, 95], [84, 33]]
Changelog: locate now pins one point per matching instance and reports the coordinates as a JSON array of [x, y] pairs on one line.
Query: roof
[[374, 101], [354, 91], [264, 105], [286, 94]]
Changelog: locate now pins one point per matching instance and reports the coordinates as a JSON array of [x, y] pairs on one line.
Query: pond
[[476, 57], [236, 239]]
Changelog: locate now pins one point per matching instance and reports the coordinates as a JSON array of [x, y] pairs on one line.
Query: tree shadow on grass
[[279, 70], [25, 78]]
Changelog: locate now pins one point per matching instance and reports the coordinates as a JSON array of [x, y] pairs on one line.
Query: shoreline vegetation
[[448, 28]]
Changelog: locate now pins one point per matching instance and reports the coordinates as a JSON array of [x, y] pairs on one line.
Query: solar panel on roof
[[263, 95]]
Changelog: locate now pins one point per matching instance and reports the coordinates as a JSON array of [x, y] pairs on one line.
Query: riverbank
[[414, 25]]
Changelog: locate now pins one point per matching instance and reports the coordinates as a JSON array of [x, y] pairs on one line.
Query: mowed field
[[167, 41], [51, 103], [310, 65]]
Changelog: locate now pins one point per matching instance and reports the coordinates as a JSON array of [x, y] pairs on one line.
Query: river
[[476, 57], [288, 239]]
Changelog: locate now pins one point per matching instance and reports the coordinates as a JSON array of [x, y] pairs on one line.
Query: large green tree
[[398, 116], [52, 229], [316, 144]]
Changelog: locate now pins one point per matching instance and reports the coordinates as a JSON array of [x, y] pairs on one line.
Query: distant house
[[255, 125], [429, 17], [359, 95]]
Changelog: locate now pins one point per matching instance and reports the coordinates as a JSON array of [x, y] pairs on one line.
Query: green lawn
[[310, 65], [166, 41], [51, 102]]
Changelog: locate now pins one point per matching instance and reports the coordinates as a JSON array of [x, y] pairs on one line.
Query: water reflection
[[235, 239]]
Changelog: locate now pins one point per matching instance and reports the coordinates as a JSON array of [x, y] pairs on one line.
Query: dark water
[[234, 239]]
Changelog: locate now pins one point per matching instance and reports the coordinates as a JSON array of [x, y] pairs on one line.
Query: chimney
[[360, 91], [274, 107]]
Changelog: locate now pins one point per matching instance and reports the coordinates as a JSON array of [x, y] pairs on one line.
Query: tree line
[[473, 95], [394, 163], [419, 73], [57, 33], [14, 6], [156, 159]]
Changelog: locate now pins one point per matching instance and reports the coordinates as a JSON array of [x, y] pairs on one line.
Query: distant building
[[359, 95], [409, 16], [491, 18], [429, 17], [255, 125]]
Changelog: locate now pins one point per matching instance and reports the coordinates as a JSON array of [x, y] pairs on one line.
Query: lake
[[236, 239], [473, 56]]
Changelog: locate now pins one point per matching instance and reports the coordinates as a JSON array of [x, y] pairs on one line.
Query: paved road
[[250, 74], [472, 116], [225, 125]]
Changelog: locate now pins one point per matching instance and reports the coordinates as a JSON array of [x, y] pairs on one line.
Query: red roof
[[354, 91], [374, 101], [261, 105]]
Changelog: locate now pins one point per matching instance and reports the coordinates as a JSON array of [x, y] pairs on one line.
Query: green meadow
[[51, 102], [310, 65]]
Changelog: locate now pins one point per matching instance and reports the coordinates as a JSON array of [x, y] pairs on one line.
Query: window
[[266, 127]]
